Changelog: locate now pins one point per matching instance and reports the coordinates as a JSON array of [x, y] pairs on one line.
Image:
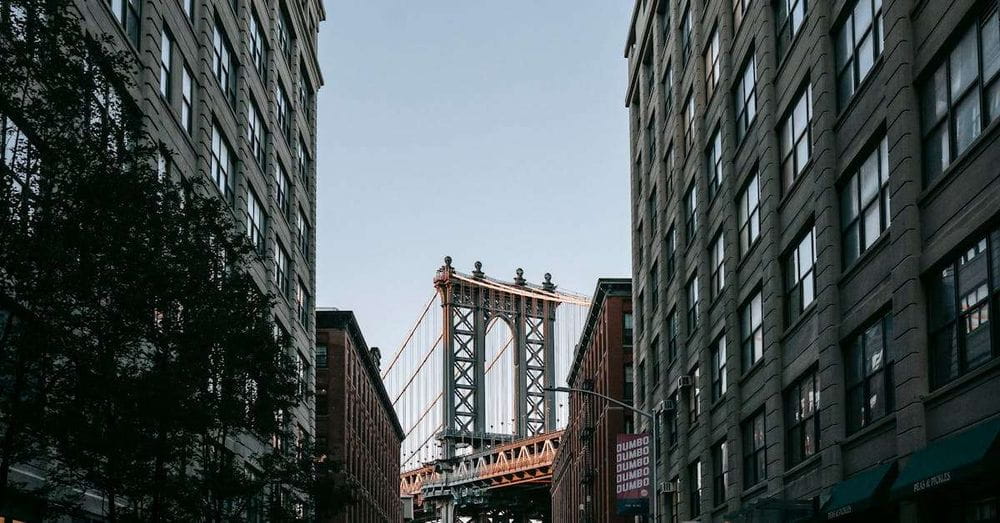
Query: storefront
[[863, 496], [954, 479]]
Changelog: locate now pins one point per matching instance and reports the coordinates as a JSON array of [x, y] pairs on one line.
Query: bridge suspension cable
[[419, 368], [409, 336]]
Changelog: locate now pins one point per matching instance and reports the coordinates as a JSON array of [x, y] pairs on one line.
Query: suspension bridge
[[469, 384]]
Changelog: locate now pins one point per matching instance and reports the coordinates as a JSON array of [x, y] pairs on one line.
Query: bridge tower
[[469, 303]]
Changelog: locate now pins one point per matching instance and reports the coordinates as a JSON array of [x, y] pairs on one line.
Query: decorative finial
[[548, 283], [519, 280], [478, 273], [447, 261]]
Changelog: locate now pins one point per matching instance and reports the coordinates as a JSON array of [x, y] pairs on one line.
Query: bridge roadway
[[506, 483]]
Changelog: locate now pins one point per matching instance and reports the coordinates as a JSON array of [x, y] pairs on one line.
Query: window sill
[[694, 426], [960, 383], [803, 465], [751, 371], [757, 488], [804, 316], [860, 93], [865, 432], [865, 258], [947, 175], [746, 255], [787, 193], [792, 44], [746, 134]]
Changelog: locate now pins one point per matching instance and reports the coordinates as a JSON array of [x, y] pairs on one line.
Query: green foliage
[[143, 362]]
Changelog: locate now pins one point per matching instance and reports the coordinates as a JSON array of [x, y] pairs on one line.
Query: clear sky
[[484, 130]]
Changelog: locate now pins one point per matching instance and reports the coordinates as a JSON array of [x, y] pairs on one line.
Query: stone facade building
[[355, 419], [816, 255], [583, 482]]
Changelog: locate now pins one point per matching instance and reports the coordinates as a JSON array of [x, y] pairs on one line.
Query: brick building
[[816, 255], [355, 420], [583, 483]]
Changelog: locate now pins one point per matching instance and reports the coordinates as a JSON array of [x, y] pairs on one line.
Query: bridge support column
[[446, 512]]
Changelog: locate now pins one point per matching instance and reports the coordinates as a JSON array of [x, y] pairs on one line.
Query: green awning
[[859, 491], [943, 462]]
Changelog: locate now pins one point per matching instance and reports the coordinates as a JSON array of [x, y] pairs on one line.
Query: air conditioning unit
[[669, 406], [667, 487], [684, 381]]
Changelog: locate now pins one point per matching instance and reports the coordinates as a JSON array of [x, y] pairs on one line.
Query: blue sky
[[492, 131]]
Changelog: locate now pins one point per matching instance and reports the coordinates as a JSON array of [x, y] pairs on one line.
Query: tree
[[144, 363]]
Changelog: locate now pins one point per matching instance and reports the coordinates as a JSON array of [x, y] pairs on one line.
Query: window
[[670, 251], [284, 119], [284, 34], [720, 472], [959, 310], [188, 8], [223, 64], [255, 132], [802, 408], [673, 434], [718, 259], [281, 268], [754, 450], [187, 100], [640, 305], [695, 487], [869, 374], [223, 170], [686, 34], [258, 46], [795, 140], [749, 214], [303, 157], [689, 122], [751, 332], [952, 106], [641, 383], [739, 11], [712, 64], [864, 204], [650, 141], [654, 357], [667, 87], [691, 212], [692, 295], [800, 278], [283, 189], [640, 240], [674, 502], [302, 228], [746, 96], [302, 302], [790, 15], [305, 92], [672, 335], [714, 164], [20, 170], [694, 396], [166, 62], [720, 383], [859, 44], [627, 328], [255, 221], [654, 284], [651, 205], [321, 358], [629, 385], [127, 14]]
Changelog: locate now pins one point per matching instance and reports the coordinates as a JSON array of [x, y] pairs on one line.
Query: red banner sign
[[632, 463]]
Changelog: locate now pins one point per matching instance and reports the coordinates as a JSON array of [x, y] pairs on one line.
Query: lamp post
[[652, 442]]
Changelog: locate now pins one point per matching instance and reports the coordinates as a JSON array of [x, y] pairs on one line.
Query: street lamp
[[652, 442]]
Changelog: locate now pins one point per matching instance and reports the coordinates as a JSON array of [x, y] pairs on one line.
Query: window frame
[[859, 377], [796, 277], [713, 163], [854, 212], [691, 212], [720, 381], [847, 67], [224, 64], [720, 472], [754, 448], [802, 421], [256, 221], [166, 63], [785, 21], [749, 218], [696, 486], [712, 64], [745, 100], [789, 150], [752, 335], [717, 261], [693, 298]]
